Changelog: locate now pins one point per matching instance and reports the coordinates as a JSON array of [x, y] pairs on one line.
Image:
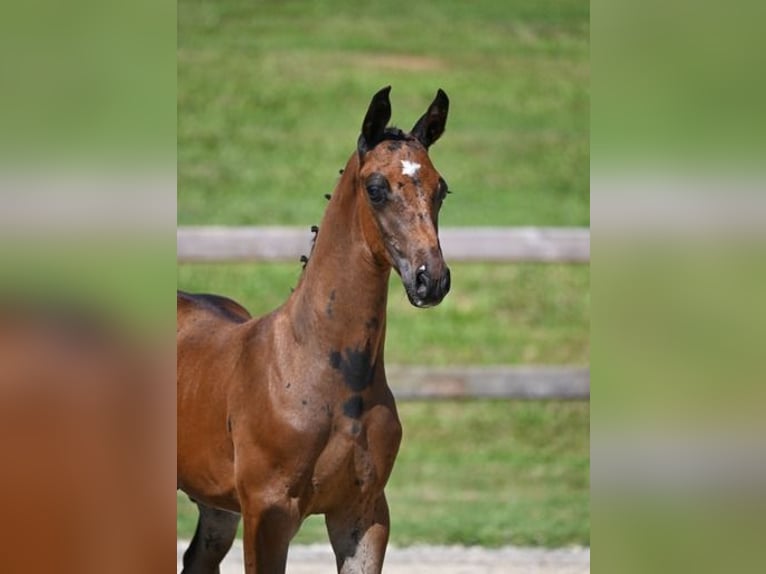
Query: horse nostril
[[422, 282], [446, 282]]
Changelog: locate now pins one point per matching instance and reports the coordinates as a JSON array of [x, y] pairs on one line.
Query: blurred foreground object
[[85, 433], [87, 189]]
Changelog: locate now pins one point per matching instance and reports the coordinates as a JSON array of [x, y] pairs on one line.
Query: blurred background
[[270, 102]]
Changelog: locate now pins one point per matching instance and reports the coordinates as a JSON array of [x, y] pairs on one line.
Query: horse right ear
[[375, 121]]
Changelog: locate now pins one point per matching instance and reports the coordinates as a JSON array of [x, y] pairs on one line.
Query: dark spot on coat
[[228, 423], [304, 402], [287, 386], [372, 324], [330, 303], [393, 145], [354, 407], [355, 365]]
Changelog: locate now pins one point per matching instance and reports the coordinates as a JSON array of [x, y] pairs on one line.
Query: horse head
[[402, 194]]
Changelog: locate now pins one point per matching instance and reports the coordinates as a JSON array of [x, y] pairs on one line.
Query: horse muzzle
[[429, 286]]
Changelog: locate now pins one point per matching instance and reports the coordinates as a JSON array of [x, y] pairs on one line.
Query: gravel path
[[318, 559]]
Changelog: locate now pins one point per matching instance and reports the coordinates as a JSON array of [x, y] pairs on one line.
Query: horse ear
[[375, 121], [430, 126]]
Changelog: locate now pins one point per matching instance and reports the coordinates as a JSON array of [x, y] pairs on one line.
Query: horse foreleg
[[266, 537], [215, 533], [359, 537]]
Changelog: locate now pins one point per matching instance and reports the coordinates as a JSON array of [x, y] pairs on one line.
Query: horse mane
[[394, 133]]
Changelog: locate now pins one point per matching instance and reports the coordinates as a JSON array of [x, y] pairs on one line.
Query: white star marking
[[409, 168]]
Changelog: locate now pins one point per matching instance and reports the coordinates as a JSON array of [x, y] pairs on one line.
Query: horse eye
[[377, 193], [377, 189]]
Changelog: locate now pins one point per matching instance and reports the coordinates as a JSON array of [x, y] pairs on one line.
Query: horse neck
[[340, 301]]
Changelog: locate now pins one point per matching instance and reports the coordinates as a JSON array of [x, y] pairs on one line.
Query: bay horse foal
[[290, 414]]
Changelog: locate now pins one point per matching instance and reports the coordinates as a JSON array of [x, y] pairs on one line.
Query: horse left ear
[[430, 126]]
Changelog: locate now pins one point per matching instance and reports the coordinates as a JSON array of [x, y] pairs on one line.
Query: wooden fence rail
[[501, 381], [473, 244]]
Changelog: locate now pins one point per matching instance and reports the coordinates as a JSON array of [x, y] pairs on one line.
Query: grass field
[[270, 101], [271, 98]]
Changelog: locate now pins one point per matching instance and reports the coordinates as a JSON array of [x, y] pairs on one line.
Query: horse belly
[[206, 473]]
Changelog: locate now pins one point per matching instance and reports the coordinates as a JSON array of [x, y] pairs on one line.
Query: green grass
[[271, 97], [481, 472], [527, 313]]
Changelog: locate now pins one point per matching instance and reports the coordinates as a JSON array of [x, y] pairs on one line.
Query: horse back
[[225, 308]]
